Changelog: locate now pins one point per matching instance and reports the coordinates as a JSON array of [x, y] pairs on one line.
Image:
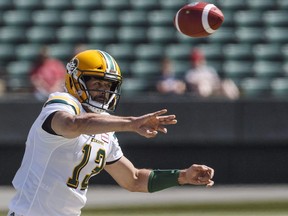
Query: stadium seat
[[71, 34], [180, 67], [223, 35], [116, 5], [171, 4], [184, 39], [131, 34], [46, 18], [121, 51], [267, 52], [237, 69], [135, 86], [254, 87], [250, 35], [237, 51], [261, 4], [145, 69], [7, 52], [247, 18], [144, 5], [27, 5], [149, 51], [79, 18], [282, 4], [18, 75], [279, 87], [284, 52], [228, 18], [60, 51], [159, 34], [101, 34], [41, 34], [161, 17], [28, 51], [104, 18], [178, 51], [86, 4], [12, 34], [277, 18], [231, 5], [267, 69], [212, 51], [17, 18], [276, 35], [133, 18], [57, 4]]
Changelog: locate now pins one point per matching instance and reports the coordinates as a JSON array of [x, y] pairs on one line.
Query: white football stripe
[[205, 22], [176, 21]]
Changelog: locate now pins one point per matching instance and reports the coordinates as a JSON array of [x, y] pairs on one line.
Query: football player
[[73, 139]]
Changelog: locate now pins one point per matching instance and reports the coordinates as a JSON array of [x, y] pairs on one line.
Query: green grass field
[[235, 209]]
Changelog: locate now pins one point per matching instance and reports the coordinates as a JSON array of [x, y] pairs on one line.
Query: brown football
[[198, 19]]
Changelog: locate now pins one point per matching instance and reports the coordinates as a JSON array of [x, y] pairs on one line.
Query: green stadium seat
[[76, 18], [161, 17], [135, 86], [61, 51], [57, 4], [237, 51], [12, 34], [7, 52], [231, 5], [144, 5], [133, 18], [276, 35], [116, 5], [121, 51], [101, 34], [145, 69], [41, 34], [100, 46], [237, 69], [268, 69], [267, 52], [6, 5], [247, 18], [261, 4], [18, 75], [212, 51], [275, 18], [178, 51], [149, 51], [130, 34], [46, 18], [284, 52], [229, 18], [180, 68], [28, 51], [17, 18], [71, 34], [184, 39], [104, 18], [282, 4], [172, 4], [27, 5], [250, 35], [223, 35], [159, 34], [255, 87], [86, 4], [279, 87]]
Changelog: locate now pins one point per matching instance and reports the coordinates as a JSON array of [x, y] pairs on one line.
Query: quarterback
[[73, 139]]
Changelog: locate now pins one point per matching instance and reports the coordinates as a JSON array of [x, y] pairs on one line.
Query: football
[[198, 19]]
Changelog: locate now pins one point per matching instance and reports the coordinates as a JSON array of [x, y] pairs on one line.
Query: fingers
[[204, 176]]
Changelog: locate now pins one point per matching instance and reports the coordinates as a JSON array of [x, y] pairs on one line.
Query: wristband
[[162, 179]]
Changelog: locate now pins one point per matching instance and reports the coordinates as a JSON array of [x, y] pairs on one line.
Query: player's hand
[[150, 124], [197, 175]]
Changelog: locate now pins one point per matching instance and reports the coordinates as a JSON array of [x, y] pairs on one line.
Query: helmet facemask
[[110, 97]]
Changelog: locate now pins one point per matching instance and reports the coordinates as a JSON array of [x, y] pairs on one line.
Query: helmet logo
[[72, 66]]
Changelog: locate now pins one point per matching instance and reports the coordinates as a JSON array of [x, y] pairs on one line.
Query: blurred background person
[[47, 75], [168, 83], [204, 81]]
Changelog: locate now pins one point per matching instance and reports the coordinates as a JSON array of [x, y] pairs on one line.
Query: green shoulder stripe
[[63, 102]]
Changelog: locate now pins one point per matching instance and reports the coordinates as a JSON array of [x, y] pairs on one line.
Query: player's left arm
[[145, 180]]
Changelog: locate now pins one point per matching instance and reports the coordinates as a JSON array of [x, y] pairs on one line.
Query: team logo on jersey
[[72, 65]]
